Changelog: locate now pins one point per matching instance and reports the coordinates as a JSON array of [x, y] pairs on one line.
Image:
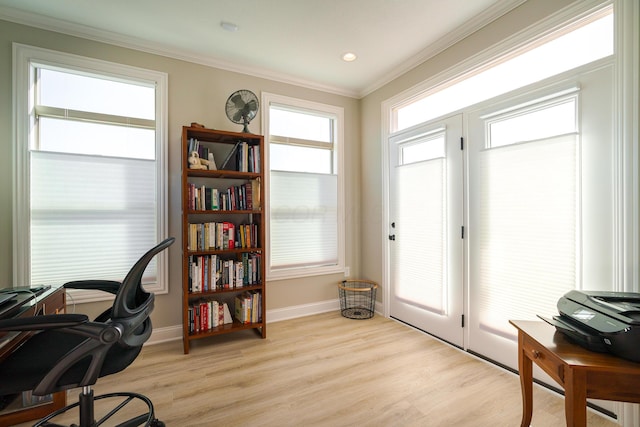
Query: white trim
[[86, 116], [385, 231], [162, 158], [416, 132], [627, 15], [23, 57], [560, 94], [628, 78], [20, 132], [267, 100], [166, 334], [302, 310]]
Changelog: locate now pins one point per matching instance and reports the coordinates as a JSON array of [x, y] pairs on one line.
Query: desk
[[582, 373], [51, 301]]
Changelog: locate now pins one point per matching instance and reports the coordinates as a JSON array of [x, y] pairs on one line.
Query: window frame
[[269, 99], [24, 56]]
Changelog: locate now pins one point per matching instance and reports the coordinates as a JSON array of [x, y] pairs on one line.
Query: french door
[[426, 249], [541, 206]]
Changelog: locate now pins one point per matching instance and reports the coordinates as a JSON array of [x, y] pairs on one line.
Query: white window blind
[[421, 229], [91, 216], [304, 220], [528, 229]]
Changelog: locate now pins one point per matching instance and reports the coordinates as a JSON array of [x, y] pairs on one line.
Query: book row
[[242, 156], [236, 197], [222, 235], [204, 315], [248, 157], [207, 314], [248, 307], [211, 273]]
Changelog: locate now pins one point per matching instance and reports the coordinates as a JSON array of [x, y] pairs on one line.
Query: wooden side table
[[51, 301], [582, 373]]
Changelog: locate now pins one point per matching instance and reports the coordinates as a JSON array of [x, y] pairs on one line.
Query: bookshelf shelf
[[222, 251], [224, 329], [222, 235], [223, 174], [221, 212], [203, 294]]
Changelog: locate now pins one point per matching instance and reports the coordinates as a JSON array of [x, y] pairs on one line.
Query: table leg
[[525, 368], [575, 397]]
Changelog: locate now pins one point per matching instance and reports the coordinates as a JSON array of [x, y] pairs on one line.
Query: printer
[[601, 321]]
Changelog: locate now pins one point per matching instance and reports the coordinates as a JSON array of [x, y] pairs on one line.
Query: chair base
[[86, 410]]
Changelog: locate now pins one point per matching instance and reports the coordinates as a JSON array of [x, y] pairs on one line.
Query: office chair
[[70, 351]]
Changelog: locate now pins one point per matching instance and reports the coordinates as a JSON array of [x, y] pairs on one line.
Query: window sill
[[296, 273]]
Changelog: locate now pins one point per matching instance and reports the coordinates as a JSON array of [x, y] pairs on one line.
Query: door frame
[[626, 130], [445, 325]]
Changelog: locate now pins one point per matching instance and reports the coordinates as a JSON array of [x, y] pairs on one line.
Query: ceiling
[[296, 41]]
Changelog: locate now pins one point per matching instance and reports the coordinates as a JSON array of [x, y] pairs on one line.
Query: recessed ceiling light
[[229, 26], [349, 56]]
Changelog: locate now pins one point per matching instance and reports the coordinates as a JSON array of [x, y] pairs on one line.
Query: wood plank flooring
[[326, 370]]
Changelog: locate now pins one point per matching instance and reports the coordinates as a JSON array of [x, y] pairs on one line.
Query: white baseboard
[[303, 310], [173, 333], [160, 335]]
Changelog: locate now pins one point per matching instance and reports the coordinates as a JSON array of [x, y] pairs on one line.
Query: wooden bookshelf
[[223, 228]]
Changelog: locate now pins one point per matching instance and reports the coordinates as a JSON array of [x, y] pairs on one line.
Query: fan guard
[[241, 107]]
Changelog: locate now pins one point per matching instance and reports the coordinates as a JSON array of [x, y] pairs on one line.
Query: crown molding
[[128, 42], [486, 17], [83, 31]]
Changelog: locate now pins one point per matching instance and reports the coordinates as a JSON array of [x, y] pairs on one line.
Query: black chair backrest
[[77, 353], [133, 305]]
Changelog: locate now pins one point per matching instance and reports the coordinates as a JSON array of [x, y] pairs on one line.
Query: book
[[238, 275], [256, 158], [233, 152], [231, 235], [248, 191], [214, 309], [220, 314], [214, 199], [204, 316], [256, 313], [226, 316], [255, 193]]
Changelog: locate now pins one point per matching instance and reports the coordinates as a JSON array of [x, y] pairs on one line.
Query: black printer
[[601, 321]]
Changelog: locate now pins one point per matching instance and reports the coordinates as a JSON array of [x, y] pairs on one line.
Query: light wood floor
[[326, 370]]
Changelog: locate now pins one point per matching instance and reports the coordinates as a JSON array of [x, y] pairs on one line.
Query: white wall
[[197, 93]]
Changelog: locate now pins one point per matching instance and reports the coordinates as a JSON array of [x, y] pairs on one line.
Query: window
[[91, 170], [305, 203], [426, 147], [529, 211], [546, 121], [585, 41]]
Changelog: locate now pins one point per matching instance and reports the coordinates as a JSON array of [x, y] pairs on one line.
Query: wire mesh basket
[[357, 298]]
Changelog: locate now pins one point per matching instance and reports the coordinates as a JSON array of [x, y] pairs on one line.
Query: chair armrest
[[47, 321], [110, 286]]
